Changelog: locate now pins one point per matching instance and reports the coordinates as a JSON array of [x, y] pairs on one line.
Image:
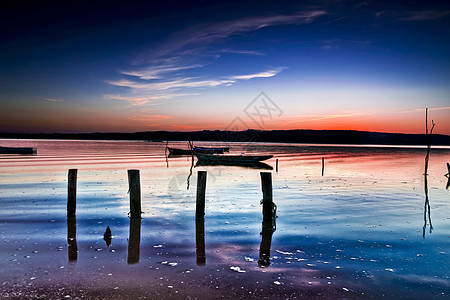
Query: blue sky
[[108, 66]]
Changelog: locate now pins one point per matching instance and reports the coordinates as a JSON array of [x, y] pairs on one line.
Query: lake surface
[[357, 232]]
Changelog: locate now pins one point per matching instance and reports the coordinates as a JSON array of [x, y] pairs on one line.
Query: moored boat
[[195, 150], [17, 150]]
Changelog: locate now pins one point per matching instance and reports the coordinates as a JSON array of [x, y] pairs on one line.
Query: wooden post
[[201, 189], [264, 248], [72, 192], [266, 183], [276, 166], [323, 164], [135, 193]]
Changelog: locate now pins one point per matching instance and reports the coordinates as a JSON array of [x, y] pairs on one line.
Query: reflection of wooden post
[[200, 242], [276, 166], [72, 250], [266, 182], [266, 242], [134, 241], [201, 189], [72, 192], [135, 193], [323, 164]]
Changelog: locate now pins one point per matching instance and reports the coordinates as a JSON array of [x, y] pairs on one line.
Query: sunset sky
[[126, 66]]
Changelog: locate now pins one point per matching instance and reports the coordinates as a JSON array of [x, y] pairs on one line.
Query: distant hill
[[251, 135]]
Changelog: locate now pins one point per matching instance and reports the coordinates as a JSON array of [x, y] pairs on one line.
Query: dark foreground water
[[360, 231]]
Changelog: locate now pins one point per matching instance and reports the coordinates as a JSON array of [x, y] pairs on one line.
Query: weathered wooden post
[[135, 193], [276, 165], [264, 248], [72, 192], [323, 164], [201, 189], [267, 201]]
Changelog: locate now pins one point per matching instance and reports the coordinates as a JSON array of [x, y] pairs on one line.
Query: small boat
[[177, 151], [201, 150], [17, 150], [232, 158]]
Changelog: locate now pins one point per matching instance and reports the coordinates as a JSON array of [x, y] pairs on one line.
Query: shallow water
[[356, 232]]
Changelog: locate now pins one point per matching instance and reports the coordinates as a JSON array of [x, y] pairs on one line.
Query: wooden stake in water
[[72, 192], [267, 201], [201, 189], [135, 193], [276, 165], [323, 164]]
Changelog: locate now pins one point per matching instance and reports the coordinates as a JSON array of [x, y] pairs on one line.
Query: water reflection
[[250, 165], [107, 237], [264, 249], [426, 210], [134, 241], [200, 241], [72, 250]]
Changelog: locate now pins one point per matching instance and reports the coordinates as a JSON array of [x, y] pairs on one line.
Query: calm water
[[356, 232]]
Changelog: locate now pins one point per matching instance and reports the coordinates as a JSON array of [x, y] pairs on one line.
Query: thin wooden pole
[[135, 193], [323, 164], [201, 189], [276, 166], [72, 192], [267, 201]]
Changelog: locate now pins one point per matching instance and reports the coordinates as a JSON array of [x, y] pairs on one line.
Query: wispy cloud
[[265, 74], [155, 72], [203, 34], [424, 15], [53, 99], [189, 83], [173, 67], [142, 99], [244, 52]]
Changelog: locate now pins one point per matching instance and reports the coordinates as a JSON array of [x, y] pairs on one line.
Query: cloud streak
[[174, 65], [53, 99]]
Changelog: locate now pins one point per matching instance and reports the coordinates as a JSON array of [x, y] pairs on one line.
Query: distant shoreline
[[351, 137]]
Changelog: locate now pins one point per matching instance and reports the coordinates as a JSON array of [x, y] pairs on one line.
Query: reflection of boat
[[209, 158], [204, 150], [15, 150], [251, 165]]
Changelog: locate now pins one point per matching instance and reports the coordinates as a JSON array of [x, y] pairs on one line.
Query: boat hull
[[14, 150]]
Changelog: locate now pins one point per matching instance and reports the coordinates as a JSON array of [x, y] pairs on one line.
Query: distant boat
[[17, 150], [232, 158], [202, 150]]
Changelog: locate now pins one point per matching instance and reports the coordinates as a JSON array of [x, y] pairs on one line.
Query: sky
[[127, 66]]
